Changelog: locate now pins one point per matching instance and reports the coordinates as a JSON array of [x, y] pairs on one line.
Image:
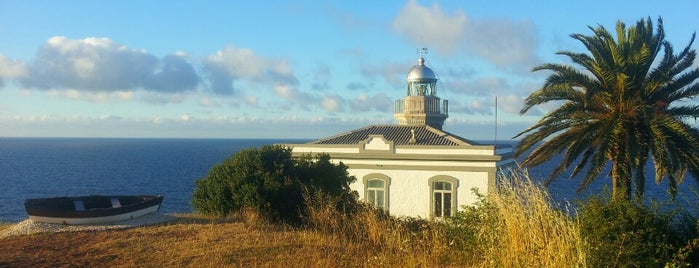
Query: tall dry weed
[[528, 230], [517, 226], [383, 239]]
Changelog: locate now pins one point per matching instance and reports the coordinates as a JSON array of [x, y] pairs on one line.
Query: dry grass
[[4, 225], [383, 240], [526, 232], [189, 241], [517, 227]]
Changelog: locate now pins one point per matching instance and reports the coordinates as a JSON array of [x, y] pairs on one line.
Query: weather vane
[[421, 51]]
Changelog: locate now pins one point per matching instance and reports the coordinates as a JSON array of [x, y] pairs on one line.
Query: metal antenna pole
[[496, 120]]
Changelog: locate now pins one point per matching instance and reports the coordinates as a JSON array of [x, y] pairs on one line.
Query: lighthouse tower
[[421, 106]]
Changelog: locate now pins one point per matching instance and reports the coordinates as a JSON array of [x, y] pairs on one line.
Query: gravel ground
[[30, 227]]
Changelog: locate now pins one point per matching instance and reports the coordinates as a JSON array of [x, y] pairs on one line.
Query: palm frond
[[620, 105]]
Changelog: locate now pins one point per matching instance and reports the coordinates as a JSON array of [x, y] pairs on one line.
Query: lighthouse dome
[[420, 72]]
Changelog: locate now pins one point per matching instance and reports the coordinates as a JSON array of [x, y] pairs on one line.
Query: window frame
[[386, 188], [454, 198]]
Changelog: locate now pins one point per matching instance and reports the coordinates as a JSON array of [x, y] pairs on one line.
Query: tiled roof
[[399, 135]]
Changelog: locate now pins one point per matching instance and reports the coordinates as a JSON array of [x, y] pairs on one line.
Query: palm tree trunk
[[621, 176], [640, 180]]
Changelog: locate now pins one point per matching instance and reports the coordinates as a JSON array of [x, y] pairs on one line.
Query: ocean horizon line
[[483, 141], [151, 138]]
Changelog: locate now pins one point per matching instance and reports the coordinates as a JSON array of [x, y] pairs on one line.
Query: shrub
[[622, 233], [317, 175], [465, 230], [270, 181]]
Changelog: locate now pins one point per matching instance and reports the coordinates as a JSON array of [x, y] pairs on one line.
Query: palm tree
[[627, 104]]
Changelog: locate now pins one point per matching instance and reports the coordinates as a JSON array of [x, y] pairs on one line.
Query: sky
[[286, 69]]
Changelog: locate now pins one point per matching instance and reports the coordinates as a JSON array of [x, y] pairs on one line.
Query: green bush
[[465, 229], [270, 181], [625, 234]]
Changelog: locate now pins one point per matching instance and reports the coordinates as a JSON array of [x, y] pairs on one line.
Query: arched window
[[443, 196], [376, 190]]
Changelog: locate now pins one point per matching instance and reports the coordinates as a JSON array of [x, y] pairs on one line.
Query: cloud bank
[[244, 83], [99, 64]]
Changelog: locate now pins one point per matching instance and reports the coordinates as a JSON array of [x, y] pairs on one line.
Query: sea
[[49, 167]]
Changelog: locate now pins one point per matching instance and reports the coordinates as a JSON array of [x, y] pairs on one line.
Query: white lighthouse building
[[415, 168]]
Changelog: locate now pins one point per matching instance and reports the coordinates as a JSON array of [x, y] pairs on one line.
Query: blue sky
[[284, 69]]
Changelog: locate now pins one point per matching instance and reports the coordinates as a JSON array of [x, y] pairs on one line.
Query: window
[[376, 190], [443, 196], [375, 193], [421, 88]]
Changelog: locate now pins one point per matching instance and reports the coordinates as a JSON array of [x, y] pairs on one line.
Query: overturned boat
[[94, 209]]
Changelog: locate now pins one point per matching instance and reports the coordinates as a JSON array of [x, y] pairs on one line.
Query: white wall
[[409, 191]]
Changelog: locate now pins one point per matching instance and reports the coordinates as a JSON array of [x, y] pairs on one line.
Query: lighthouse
[[421, 105], [415, 168]]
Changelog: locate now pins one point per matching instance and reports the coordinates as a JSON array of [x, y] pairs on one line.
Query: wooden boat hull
[[94, 209]]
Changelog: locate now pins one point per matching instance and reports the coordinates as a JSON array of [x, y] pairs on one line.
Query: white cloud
[[252, 100], [471, 106], [107, 117], [99, 97], [293, 94], [431, 26], [284, 90], [485, 89], [124, 95], [332, 103], [505, 43], [365, 103], [209, 102], [510, 103], [101, 65], [161, 98], [238, 62], [223, 126], [11, 69], [485, 86], [481, 106], [321, 77], [393, 72], [233, 64]]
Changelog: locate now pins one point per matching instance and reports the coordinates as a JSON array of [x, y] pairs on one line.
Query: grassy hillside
[[188, 241], [515, 228]]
